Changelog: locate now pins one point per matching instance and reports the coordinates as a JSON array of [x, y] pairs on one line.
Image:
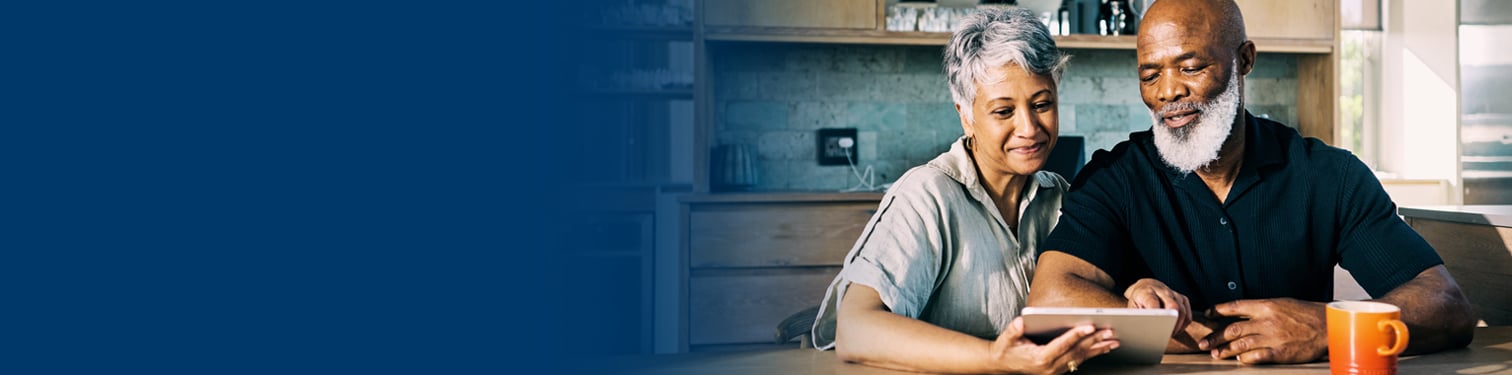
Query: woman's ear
[[965, 123]]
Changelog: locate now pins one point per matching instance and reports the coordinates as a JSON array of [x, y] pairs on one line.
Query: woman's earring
[[970, 142]]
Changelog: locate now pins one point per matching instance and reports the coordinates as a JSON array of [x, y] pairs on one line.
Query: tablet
[[1142, 333]]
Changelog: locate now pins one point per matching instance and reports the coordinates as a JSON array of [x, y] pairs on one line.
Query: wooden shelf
[[812, 35], [1076, 41]]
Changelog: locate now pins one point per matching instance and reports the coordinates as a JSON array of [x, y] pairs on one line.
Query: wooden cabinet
[[1303, 22], [755, 259], [1292, 19], [774, 234], [825, 14]]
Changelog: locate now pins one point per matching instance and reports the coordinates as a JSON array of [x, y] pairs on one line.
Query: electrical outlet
[[829, 147]]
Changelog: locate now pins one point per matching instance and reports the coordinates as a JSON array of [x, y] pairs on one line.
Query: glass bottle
[[1115, 18], [1104, 18], [1063, 18], [1127, 20]]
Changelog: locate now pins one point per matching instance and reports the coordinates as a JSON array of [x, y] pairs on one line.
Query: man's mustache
[[1169, 108]]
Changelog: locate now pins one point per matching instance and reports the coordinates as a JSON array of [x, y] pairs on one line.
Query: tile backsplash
[[776, 97]]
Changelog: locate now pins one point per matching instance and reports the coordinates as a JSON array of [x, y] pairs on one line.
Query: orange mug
[[1364, 338]]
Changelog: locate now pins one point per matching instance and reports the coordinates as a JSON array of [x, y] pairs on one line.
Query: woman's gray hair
[[995, 37]]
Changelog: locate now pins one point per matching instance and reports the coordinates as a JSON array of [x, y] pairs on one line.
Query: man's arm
[[1437, 314], [1064, 280], [1433, 307], [1285, 330]]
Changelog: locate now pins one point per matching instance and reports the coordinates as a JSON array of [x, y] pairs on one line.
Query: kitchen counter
[[1476, 244], [1497, 215]]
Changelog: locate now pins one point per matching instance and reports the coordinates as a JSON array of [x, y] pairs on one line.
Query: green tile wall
[[775, 96]]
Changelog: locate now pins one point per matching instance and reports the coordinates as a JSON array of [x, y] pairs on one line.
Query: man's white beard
[[1196, 145]]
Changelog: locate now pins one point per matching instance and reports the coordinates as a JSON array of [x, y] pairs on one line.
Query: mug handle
[[1401, 337]]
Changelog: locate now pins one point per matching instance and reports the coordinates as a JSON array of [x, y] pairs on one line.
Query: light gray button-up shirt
[[939, 251]]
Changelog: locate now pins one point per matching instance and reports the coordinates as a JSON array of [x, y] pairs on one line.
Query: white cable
[[863, 183]]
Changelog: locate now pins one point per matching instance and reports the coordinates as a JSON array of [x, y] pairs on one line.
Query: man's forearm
[[1073, 291], [1436, 312], [1062, 280]]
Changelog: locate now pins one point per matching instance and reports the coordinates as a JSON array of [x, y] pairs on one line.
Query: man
[[1235, 221]]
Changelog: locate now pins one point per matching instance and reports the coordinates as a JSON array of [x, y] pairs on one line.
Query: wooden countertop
[[1498, 215], [1490, 353]]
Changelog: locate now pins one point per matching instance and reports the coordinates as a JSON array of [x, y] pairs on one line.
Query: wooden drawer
[[774, 234], [753, 260], [827, 14], [745, 308], [1291, 19]]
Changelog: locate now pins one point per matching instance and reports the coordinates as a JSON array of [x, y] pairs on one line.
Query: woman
[[936, 281]]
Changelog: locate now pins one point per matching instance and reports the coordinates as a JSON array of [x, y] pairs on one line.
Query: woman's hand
[[1019, 355], [1152, 294]]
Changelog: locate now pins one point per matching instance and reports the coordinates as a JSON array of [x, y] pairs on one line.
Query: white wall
[[1419, 133]]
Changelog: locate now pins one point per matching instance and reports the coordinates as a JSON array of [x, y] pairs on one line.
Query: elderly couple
[[1234, 221]]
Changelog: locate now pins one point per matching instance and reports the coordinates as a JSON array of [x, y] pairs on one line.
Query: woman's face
[[1014, 121]]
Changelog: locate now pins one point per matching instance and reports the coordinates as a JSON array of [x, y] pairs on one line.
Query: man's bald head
[[1219, 19], [1192, 57]]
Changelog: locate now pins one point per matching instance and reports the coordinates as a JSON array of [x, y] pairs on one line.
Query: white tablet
[[1142, 333]]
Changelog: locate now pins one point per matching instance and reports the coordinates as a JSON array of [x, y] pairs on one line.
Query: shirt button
[[1233, 285], [1222, 221]]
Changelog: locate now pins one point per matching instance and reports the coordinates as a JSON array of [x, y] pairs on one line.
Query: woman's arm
[[867, 333]]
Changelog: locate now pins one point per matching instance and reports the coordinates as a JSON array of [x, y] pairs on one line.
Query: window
[[1359, 78], [1359, 87], [1400, 95]]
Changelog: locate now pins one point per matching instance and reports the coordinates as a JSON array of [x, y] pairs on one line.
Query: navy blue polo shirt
[[1297, 208]]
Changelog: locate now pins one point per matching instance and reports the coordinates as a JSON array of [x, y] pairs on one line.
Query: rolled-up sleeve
[[900, 254]]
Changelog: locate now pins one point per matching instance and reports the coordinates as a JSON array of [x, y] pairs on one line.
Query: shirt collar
[[1261, 148], [958, 164]]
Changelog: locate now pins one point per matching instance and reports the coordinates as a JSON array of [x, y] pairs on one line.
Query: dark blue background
[[307, 187]]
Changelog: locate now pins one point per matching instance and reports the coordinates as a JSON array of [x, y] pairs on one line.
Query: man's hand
[[1281, 330], [1185, 342], [1152, 294]]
